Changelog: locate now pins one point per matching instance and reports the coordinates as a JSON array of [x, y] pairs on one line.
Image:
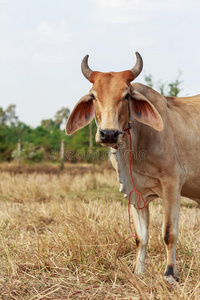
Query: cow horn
[[85, 68], [136, 70]]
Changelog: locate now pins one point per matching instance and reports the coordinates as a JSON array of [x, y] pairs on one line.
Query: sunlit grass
[[59, 233]]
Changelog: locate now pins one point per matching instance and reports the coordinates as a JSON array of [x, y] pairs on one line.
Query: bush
[[29, 153]]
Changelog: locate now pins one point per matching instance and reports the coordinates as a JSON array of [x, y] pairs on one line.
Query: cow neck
[[127, 130], [139, 195]]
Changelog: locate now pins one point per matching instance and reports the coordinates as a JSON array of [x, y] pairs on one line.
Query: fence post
[[62, 154], [19, 150], [90, 128]]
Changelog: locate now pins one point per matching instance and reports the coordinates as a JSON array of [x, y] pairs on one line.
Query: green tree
[[9, 115], [11, 118], [171, 89], [2, 116], [61, 116], [149, 80], [29, 153], [48, 124], [174, 88]]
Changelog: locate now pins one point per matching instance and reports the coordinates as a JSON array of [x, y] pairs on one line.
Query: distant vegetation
[[168, 89], [43, 142]]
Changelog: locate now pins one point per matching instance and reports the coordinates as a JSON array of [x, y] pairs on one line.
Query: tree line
[[43, 142]]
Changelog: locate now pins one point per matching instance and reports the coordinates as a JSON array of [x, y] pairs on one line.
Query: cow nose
[[109, 136]]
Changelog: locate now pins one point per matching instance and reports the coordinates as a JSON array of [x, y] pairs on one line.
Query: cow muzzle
[[109, 136]]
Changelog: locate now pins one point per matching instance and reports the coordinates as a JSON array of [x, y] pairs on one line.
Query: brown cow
[[165, 129]]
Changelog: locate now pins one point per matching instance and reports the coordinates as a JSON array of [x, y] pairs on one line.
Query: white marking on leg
[[141, 223]]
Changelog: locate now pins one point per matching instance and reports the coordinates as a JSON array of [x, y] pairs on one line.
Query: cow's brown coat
[[167, 129]]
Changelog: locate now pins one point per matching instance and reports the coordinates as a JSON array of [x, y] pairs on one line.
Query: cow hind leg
[[141, 224], [170, 235]]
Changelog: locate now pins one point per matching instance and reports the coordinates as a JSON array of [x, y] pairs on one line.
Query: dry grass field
[[59, 233]]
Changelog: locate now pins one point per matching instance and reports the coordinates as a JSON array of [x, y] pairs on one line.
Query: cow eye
[[93, 97], [127, 97]]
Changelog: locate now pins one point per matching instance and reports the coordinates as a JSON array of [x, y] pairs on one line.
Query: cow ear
[[82, 114], [145, 112]]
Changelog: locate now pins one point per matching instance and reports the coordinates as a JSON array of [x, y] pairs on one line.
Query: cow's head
[[113, 101]]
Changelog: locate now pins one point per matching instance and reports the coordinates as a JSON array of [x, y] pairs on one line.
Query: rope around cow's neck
[[129, 198], [127, 131]]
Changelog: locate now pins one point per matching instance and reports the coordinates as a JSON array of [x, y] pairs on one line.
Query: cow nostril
[[109, 136], [102, 134], [115, 136]]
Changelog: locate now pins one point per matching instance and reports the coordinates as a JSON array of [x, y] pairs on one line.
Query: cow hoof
[[139, 270], [138, 273], [170, 279]]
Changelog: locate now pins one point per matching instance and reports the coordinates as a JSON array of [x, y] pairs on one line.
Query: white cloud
[[123, 12], [50, 42], [47, 42], [108, 4], [142, 4], [134, 11], [53, 33], [142, 43], [121, 19]]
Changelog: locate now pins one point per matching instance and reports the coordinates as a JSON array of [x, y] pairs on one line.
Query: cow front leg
[[171, 208], [141, 223]]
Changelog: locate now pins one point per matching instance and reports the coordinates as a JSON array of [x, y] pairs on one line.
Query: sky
[[42, 44]]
